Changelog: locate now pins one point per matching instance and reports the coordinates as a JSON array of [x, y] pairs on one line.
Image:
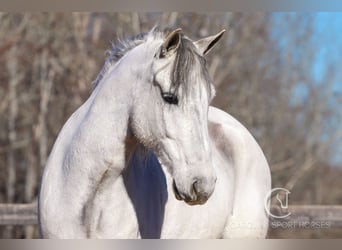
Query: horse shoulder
[[233, 140], [251, 174]]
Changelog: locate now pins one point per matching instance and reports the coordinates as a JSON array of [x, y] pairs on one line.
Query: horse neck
[[94, 138], [91, 151], [111, 106]]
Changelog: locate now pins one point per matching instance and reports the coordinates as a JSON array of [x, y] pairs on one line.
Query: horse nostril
[[194, 190]]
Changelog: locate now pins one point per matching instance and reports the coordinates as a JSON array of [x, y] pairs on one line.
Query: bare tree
[[50, 60]]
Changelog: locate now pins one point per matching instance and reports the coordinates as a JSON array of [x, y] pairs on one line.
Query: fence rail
[[330, 216], [18, 214]]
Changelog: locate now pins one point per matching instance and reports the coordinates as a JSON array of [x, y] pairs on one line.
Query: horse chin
[[196, 202], [199, 201]]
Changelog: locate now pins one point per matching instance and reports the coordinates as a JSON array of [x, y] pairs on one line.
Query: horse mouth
[[199, 200]]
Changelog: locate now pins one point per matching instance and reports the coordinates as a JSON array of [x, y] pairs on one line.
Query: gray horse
[[147, 157]]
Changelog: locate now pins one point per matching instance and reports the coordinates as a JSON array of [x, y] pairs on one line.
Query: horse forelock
[[188, 61], [183, 65]]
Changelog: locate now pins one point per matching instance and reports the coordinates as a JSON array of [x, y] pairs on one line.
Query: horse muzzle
[[198, 193]]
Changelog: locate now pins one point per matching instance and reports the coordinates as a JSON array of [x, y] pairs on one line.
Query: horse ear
[[206, 44], [171, 43]]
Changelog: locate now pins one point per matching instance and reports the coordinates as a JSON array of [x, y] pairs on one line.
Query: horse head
[[170, 112]]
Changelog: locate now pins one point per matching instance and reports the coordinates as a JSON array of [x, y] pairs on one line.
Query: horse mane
[[117, 51], [184, 60]]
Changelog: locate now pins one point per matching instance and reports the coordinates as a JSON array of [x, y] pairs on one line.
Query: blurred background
[[278, 73]]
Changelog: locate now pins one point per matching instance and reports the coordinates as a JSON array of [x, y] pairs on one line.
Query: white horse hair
[[147, 157]]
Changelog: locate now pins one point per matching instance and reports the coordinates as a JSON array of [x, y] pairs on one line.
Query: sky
[[327, 43], [329, 34]]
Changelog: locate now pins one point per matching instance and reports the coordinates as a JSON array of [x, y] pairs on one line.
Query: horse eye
[[170, 98]]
